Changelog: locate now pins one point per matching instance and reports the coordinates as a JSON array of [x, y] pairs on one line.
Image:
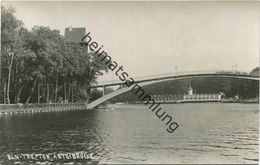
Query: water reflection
[[208, 133]]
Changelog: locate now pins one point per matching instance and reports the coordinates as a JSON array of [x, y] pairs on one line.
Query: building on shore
[[74, 34], [191, 97], [166, 98]]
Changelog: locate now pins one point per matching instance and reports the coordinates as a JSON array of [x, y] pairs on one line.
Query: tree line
[[39, 66]]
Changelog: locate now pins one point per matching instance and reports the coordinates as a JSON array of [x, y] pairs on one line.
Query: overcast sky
[[150, 38]]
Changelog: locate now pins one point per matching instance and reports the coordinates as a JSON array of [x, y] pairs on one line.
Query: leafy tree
[[41, 59], [11, 43], [255, 72]]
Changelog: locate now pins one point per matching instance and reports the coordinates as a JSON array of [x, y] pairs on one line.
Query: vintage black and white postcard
[[129, 82]]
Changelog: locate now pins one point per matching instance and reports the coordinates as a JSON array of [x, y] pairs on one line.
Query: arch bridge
[[163, 78]]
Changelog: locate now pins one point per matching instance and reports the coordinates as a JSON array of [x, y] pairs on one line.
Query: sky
[[152, 38]]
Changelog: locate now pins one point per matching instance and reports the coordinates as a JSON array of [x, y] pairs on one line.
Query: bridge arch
[[143, 83]]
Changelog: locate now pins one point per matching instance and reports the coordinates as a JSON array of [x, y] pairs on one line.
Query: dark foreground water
[[207, 133]]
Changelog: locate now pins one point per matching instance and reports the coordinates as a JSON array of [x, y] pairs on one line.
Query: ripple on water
[[219, 133]]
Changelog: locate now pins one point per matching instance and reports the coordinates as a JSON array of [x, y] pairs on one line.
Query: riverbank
[[249, 101], [34, 108]]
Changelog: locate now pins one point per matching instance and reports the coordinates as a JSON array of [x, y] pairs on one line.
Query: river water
[[207, 133]]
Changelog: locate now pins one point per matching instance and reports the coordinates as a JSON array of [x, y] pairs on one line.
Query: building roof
[[74, 34]]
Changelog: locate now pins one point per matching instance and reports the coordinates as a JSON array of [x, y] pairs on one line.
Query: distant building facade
[[74, 35], [190, 97]]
